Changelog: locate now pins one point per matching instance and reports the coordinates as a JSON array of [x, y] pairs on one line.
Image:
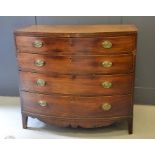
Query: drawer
[[77, 85], [76, 64], [42, 44], [49, 45], [68, 106]]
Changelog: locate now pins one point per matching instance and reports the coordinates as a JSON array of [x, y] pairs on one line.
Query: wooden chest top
[[77, 30]]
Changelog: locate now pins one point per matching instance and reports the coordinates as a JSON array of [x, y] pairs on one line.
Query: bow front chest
[[77, 75]]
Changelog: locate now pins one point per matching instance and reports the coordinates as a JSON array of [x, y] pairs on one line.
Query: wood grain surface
[[76, 46], [74, 64], [73, 107], [77, 30], [77, 85]]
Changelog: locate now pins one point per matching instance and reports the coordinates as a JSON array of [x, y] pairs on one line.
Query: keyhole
[[70, 59], [73, 76], [72, 99]]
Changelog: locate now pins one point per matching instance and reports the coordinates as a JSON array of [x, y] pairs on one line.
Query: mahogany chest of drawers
[[77, 75]]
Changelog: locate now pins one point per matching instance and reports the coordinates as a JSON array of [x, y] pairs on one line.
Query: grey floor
[[10, 125]]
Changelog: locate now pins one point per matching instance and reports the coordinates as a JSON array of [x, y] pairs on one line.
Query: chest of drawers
[[77, 75]]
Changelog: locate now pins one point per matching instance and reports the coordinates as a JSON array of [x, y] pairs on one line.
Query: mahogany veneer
[[76, 85], [77, 75], [68, 65]]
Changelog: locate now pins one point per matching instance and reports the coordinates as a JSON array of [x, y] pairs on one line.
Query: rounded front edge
[[79, 122]]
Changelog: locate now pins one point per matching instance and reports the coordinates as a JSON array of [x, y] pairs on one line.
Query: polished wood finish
[[77, 85], [72, 64], [77, 30], [78, 122], [77, 106], [76, 46], [78, 76]]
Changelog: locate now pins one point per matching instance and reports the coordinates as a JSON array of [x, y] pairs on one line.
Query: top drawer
[[56, 46]]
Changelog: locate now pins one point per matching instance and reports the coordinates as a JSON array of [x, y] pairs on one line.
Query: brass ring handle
[[106, 44], [106, 64], [106, 84], [39, 63], [106, 106], [41, 82], [37, 44], [42, 103]]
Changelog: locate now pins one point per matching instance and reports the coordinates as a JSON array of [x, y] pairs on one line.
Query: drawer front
[[104, 45], [67, 106], [42, 44], [77, 85], [76, 64]]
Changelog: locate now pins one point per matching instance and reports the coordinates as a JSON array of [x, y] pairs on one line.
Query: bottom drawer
[[75, 106]]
